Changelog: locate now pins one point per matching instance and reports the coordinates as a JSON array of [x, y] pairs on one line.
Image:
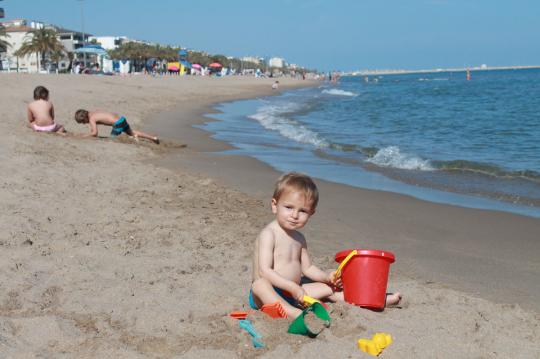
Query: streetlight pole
[[82, 30]]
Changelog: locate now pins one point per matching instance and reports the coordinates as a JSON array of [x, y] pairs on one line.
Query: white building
[[109, 42], [19, 31], [71, 40], [252, 59], [276, 62]]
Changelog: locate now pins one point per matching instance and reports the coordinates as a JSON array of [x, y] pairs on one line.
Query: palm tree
[[3, 43], [42, 42]]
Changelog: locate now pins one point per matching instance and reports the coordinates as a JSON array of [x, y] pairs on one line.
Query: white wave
[[392, 157], [337, 92], [272, 118]]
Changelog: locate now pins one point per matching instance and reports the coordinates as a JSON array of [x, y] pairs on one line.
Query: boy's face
[[292, 210]]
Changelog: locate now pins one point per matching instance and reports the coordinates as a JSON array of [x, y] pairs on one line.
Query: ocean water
[[433, 136]]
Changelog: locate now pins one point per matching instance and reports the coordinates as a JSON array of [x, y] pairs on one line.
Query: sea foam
[[274, 118], [391, 156], [337, 92]]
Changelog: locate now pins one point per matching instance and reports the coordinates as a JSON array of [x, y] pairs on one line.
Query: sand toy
[[238, 315], [248, 327], [365, 276], [299, 326], [310, 301], [376, 344], [274, 310], [344, 262]]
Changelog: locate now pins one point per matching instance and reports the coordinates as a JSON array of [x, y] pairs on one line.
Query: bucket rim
[[340, 256]]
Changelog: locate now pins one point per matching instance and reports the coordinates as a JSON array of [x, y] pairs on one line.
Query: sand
[[119, 249]]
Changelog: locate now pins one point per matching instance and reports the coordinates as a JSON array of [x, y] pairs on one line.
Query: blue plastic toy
[[248, 327]]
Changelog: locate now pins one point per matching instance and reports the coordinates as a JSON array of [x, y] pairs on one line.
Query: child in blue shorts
[[281, 260], [118, 123]]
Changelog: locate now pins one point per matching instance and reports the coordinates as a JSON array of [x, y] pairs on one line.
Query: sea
[[434, 136]]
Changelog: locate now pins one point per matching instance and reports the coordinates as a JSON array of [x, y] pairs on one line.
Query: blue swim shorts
[[285, 295], [121, 125]]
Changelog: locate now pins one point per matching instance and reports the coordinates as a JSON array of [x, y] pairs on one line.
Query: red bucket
[[365, 277]]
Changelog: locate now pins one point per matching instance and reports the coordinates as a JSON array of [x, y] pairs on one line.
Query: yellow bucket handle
[[344, 262]]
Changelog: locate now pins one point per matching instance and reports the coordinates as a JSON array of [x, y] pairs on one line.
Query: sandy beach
[[124, 249]]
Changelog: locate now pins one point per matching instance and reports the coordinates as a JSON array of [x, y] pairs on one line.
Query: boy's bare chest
[[287, 250]]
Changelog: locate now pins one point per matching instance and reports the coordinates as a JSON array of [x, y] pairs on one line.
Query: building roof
[[11, 26], [61, 30], [18, 29]]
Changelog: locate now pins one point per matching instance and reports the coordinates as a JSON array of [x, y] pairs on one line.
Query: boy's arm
[[266, 262], [93, 129], [312, 271]]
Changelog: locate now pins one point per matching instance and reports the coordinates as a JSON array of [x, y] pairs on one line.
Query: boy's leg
[[144, 135], [60, 129], [264, 293], [319, 290], [323, 291], [393, 298]]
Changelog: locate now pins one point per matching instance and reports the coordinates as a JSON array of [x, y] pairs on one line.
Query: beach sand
[[119, 249]]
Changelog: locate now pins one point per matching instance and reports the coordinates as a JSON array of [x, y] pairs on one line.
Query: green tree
[[42, 42], [3, 35], [138, 51]]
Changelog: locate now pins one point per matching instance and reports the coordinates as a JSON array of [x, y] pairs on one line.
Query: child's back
[[103, 117], [42, 112]]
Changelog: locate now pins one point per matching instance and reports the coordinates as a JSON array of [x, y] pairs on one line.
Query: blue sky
[[327, 35]]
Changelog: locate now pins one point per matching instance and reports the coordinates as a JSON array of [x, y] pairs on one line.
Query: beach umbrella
[[215, 64], [196, 66], [186, 63], [91, 49]]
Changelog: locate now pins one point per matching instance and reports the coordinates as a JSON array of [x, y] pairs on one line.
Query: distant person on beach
[[281, 258], [41, 112], [118, 123], [275, 85]]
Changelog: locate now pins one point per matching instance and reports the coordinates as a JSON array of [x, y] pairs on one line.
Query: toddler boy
[[281, 258]]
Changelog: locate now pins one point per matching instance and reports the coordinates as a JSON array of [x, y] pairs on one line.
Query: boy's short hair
[[41, 93], [299, 182], [81, 116]]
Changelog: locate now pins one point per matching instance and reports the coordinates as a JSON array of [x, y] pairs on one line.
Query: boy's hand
[[298, 294], [335, 281]]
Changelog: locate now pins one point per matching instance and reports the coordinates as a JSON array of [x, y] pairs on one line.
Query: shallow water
[[433, 136]]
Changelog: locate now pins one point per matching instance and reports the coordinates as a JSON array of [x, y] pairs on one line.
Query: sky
[[326, 35]]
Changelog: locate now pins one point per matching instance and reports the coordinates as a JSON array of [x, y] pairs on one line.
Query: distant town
[[16, 37]]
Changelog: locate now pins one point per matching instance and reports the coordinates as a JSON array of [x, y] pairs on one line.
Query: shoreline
[[107, 253], [438, 186], [452, 265]]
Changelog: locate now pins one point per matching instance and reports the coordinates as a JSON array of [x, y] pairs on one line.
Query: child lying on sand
[[281, 257], [119, 124], [41, 113]]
